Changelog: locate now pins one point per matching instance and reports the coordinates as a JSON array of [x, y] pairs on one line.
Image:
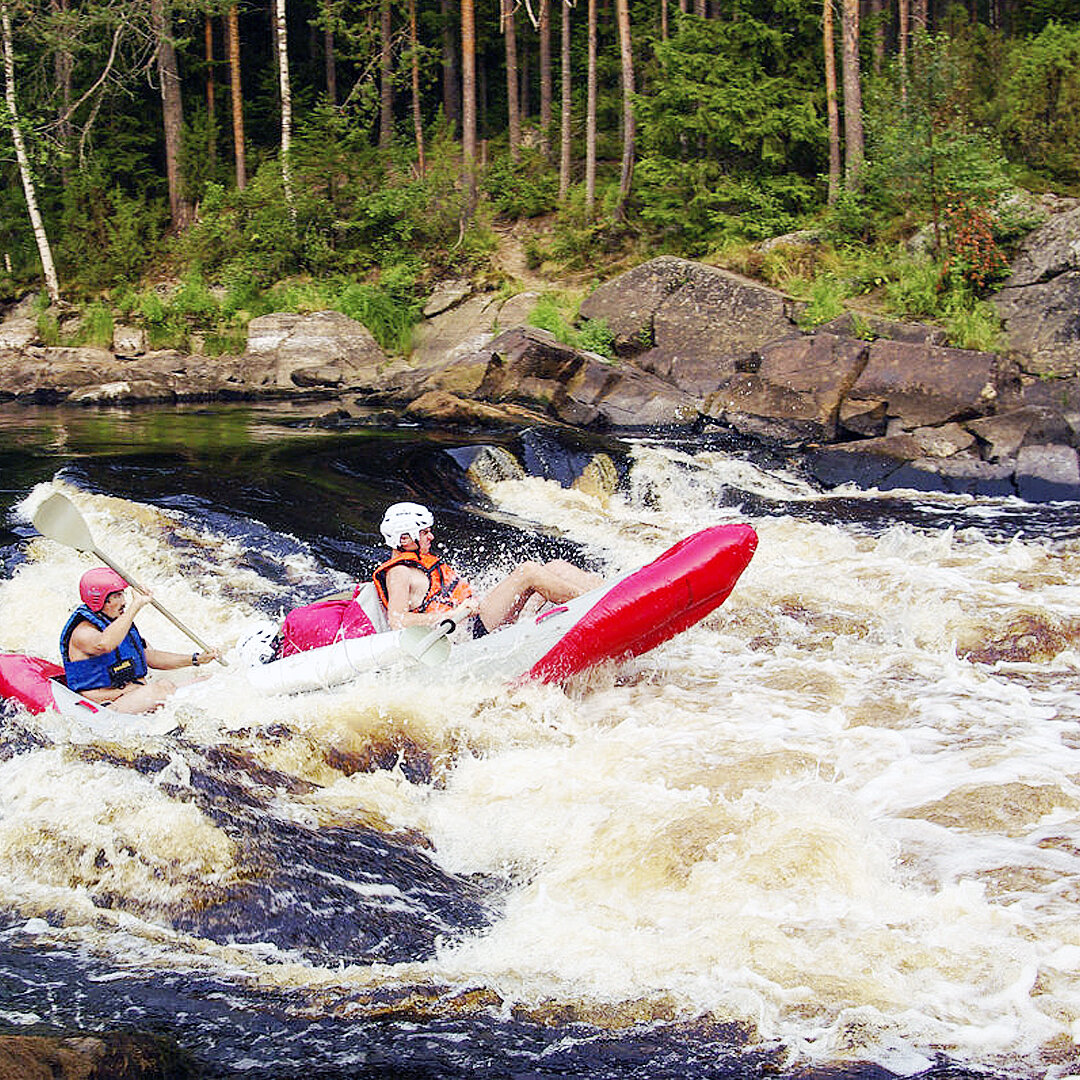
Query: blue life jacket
[[117, 668]]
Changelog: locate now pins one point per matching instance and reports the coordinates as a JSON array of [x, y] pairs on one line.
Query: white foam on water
[[814, 811]]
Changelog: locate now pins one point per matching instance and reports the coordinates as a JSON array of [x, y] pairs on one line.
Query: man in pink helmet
[[105, 657]]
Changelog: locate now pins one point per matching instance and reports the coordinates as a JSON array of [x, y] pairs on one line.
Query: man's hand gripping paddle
[[58, 519], [429, 646]]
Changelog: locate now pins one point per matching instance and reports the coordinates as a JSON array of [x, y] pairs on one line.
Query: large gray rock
[[1047, 473], [1042, 323], [88, 376], [799, 382], [129, 340], [862, 325], [961, 475], [899, 461], [97, 1056], [927, 384], [602, 395], [18, 333], [1039, 303], [466, 325], [1051, 249], [447, 295], [1002, 436], [325, 348], [1061, 395], [442, 407], [687, 322], [531, 368], [41, 373]]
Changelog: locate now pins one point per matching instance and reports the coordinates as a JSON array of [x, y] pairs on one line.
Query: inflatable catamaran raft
[[622, 618]]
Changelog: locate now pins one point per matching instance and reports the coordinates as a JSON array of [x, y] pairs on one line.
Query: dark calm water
[[833, 830]]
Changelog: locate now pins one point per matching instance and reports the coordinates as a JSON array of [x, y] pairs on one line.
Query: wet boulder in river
[[688, 322]]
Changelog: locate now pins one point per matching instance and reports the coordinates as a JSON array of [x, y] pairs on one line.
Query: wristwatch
[[194, 659]]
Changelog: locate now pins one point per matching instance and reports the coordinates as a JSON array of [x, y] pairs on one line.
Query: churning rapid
[[838, 821]]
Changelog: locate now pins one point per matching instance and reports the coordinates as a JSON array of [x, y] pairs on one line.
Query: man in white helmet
[[418, 588]]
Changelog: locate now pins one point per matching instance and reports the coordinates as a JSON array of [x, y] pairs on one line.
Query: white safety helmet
[[405, 518]]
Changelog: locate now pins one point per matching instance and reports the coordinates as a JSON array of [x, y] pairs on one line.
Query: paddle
[[58, 519], [429, 645]]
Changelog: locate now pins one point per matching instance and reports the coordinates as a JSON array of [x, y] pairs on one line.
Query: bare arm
[[88, 640], [405, 589], [169, 661]]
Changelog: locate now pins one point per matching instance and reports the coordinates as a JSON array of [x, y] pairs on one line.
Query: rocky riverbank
[[869, 401]]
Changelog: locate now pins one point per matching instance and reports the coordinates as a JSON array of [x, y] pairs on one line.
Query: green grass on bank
[[828, 280], [889, 281]]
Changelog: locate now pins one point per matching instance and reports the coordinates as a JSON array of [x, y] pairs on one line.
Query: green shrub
[[550, 314], [231, 342], [556, 313], [48, 328], [524, 189], [388, 317], [95, 327], [914, 289], [826, 302], [925, 146], [973, 324], [595, 336], [1040, 101], [120, 231]]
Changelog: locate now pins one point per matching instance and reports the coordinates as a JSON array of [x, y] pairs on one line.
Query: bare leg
[[556, 581], [143, 697], [575, 580]]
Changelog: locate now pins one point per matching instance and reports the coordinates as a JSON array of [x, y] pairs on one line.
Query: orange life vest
[[446, 590]]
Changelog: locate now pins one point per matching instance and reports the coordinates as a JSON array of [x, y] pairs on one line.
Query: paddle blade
[[424, 645], [58, 519]]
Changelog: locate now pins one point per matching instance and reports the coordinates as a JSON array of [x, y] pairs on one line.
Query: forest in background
[[304, 154]]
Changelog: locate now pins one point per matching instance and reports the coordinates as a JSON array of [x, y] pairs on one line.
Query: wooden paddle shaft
[[153, 600]]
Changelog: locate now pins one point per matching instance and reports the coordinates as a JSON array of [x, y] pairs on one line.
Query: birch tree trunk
[[626, 57], [830, 100], [172, 108], [512, 92], [468, 106], [52, 285], [232, 33], [281, 40], [565, 104], [853, 128], [590, 116]]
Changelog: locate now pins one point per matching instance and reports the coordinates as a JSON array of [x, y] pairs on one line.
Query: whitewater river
[[835, 826]]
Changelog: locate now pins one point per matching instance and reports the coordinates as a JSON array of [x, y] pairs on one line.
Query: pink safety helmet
[[96, 585]]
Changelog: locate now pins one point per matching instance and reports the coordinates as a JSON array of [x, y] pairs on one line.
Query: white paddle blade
[[426, 646], [58, 519]]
